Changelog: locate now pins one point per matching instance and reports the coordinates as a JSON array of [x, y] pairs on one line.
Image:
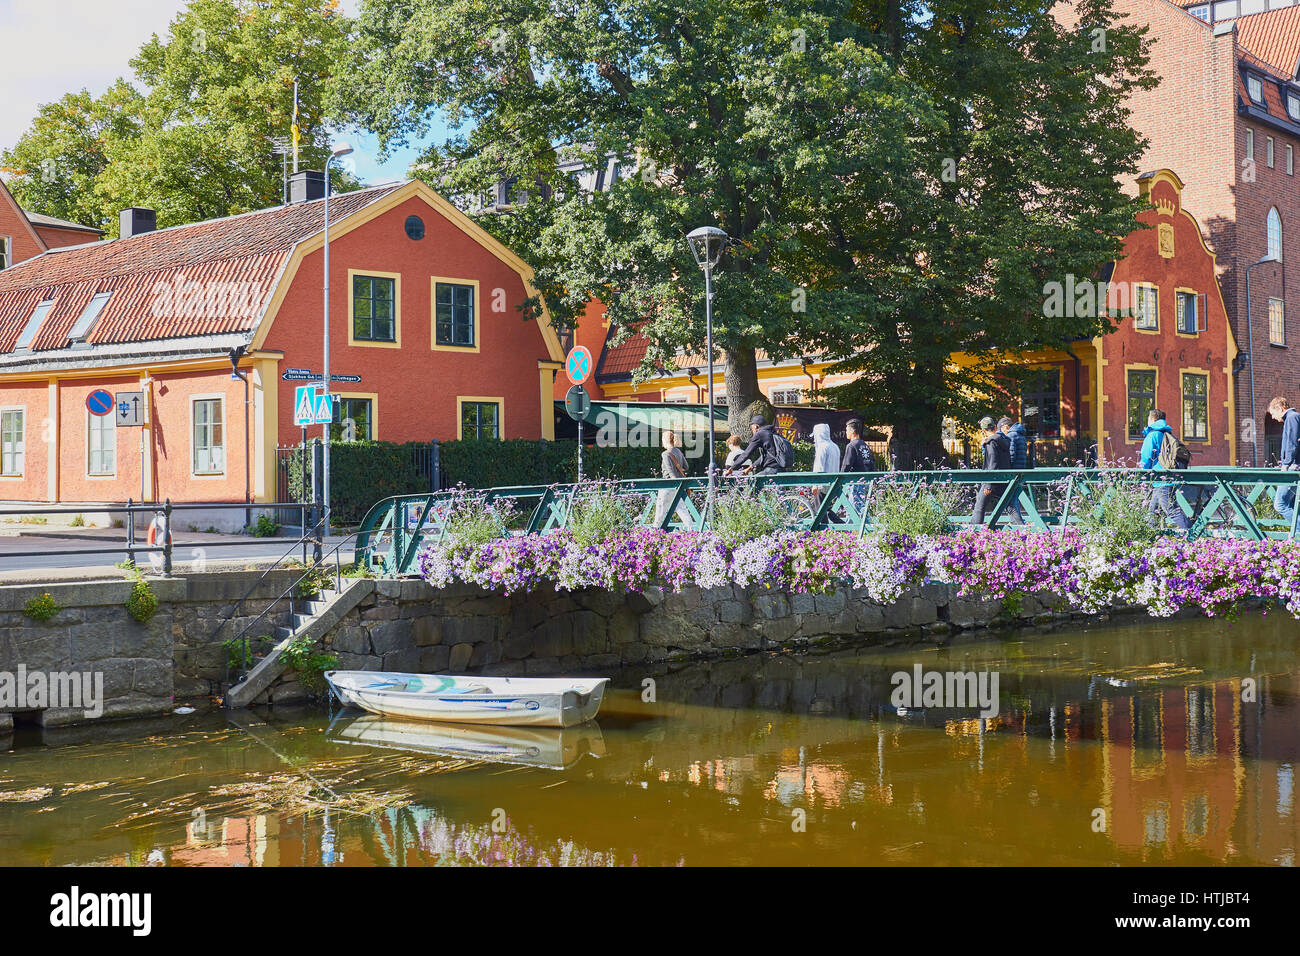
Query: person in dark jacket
[[857, 454], [761, 449], [1019, 439], [997, 457], [857, 459], [1281, 410]]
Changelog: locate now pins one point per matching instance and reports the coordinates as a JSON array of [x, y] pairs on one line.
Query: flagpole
[[294, 129]]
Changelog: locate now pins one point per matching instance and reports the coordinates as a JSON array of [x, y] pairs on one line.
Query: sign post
[[578, 367]]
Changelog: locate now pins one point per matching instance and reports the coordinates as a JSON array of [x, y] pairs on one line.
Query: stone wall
[[177, 653], [409, 626]]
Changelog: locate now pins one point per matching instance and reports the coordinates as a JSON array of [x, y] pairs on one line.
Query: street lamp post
[[341, 149], [1250, 355], [707, 245]]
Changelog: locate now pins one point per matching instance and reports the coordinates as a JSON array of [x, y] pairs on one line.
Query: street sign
[[100, 402], [577, 402], [130, 409], [311, 407], [578, 365], [307, 375]]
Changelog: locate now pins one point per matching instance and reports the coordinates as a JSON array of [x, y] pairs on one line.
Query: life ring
[[158, 522]]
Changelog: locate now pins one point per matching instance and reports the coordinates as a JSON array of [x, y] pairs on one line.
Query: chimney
[[136, 220], [306, 185]]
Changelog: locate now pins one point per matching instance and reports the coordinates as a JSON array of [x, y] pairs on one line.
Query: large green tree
[[734, 114], [899, 178], [193, 136]]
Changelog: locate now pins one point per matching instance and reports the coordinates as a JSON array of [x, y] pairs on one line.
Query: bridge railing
[[1221, 502]]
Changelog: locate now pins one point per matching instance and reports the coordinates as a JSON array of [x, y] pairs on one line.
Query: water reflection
[[1149, 729]]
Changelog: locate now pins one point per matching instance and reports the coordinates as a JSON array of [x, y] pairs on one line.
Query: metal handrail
[[553, 502], [242, 636]]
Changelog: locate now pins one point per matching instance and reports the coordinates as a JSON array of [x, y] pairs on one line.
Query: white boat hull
[[504, 701]]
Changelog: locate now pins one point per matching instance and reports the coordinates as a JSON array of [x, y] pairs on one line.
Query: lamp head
[[340, 149], [707, 245]]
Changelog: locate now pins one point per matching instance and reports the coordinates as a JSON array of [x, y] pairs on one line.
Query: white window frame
[[1268, 152], [1138, 296], [91, 422], [34, 322], [1290, 160], [784, 390], [6, 251], [89, 315], [1255, 82], [194, 446], [1275, 248], [1250, 143], [1281, 314], [5, 411]]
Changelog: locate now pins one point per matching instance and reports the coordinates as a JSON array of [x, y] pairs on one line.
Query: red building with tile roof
[[1226, 115], [25, 234], [426, 342]]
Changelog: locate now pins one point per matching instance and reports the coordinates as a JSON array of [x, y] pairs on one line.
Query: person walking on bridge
[[1284, 497], [997, 457], [1160, 452]]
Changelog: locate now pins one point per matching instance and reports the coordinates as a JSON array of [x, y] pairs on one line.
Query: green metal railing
[[1220, 502]]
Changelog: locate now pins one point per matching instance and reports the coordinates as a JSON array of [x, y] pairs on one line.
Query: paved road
[[188, 549]]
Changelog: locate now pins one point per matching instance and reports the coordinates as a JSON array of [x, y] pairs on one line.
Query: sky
[[52, 47]]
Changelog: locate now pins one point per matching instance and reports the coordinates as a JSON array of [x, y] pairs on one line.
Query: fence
[[1220, 502]]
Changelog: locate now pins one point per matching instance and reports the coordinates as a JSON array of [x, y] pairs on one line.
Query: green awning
[[623, 416]]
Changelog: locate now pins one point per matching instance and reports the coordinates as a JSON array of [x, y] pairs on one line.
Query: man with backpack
[[768, 449], [1162, 451], [997, 457], [1284, 497]]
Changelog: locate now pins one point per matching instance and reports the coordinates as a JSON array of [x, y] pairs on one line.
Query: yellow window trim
[[1209, 429], [501, 411], [397, 309], [1142, 367], [1156, 289], [433, 314], [374, 409], [1194, 294]]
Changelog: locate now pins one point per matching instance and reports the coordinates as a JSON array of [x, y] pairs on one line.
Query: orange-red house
[[426, 341], [25, 234]]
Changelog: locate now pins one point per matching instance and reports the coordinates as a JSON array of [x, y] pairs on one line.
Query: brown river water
[[1130, 744]]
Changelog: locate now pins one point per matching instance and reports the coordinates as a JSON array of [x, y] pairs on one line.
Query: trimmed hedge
[[362, 473]]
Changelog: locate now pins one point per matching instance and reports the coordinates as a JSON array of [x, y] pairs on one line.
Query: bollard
[[167, 538]]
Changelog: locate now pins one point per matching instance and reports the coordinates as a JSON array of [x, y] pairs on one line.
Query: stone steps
[[325, 611]]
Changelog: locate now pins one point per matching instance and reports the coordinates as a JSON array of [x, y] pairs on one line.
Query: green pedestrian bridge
[[1218, 502]]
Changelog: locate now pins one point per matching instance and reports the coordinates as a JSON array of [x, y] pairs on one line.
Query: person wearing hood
[[997, 457], [826, 454], [1162, 498]]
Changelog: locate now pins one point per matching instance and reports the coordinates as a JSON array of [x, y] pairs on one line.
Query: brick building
[[426, 342], [1173, 349], [26, 234], [1226, 115]]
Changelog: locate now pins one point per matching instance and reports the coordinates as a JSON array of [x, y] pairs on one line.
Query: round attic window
[[414, 227]]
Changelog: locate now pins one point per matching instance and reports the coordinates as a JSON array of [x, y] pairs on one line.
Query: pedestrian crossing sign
[[311, 407]]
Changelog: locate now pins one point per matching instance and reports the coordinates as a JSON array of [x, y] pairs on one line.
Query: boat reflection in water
[[555, 748]]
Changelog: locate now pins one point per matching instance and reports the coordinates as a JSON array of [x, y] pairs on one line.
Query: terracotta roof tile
[[201, 279], [1273, 37]]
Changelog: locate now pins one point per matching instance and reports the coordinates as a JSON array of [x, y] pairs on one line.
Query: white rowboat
[[508, 701]]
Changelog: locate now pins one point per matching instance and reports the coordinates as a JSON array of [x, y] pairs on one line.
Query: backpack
[[1173, 453], [784, 450]]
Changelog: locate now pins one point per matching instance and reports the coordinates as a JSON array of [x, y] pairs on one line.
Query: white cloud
[[52, 47]]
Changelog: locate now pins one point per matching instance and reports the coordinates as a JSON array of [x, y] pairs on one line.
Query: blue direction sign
[[100, 402], [578, 365], [311, 407]]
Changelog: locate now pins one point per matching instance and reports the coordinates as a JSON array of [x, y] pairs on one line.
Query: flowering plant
[[1216, 576]]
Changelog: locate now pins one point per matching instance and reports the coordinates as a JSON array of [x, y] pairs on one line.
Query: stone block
[[470, 630], [924, 611], [803, 603], [735, 612], [832, 603], [426, 631], [517, 646], [153, 678], [390, 636], [44, 651], [771, 605], [554, 638], [590, 632], [406, 661], [349, 639], [435, 659], [460, 657]]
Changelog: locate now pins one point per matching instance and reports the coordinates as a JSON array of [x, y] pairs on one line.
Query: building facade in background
[[426, 342]]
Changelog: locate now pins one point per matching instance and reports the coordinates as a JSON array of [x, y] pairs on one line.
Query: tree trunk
[[740, 373], [917, 441]]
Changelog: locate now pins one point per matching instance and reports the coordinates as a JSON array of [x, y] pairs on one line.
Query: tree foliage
[[192, 136], [899, 178]]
